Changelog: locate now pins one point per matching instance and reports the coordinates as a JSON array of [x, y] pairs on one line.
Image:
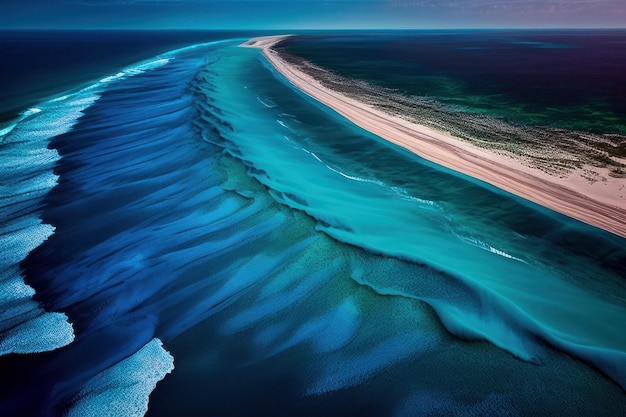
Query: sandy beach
[[601, 203]]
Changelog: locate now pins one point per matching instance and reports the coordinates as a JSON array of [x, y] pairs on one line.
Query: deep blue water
[[40, 64], [195, 214], [565, 78]]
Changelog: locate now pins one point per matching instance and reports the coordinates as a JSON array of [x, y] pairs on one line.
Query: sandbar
[[601, 204]]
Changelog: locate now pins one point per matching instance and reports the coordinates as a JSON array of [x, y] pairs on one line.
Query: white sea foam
[[124, 389], [136, 69], [283, 124], [112, 77], [61, 98], [26, 176], [198, 45], [288, 139], [343, 174], [7, 129], [266, 102], [313, 155], [62, 112], [292, 117], [32, 110], [485, 246], [348, 176], [41, 333], [352, 177], [406, 196]]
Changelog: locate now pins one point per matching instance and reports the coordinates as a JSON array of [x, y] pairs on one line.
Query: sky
[[310, 14]]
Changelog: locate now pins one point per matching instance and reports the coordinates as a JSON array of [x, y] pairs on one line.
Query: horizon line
[[302, 29]]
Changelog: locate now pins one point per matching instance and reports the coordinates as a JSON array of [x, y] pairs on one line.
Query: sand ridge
[[601, 204]]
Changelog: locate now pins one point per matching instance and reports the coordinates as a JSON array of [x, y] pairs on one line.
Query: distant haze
[[310, 14]]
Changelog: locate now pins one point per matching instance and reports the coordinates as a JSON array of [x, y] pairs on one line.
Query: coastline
[[600, 204]]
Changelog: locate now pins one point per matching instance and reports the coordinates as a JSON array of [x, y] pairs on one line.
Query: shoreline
[[600, 204]]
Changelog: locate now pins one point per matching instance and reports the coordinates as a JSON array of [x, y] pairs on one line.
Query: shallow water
[[293, 264]]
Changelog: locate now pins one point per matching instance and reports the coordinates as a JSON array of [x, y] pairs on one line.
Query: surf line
[[571, 197]]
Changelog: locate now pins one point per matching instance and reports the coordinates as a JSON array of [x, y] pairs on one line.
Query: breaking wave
[[171, 219]]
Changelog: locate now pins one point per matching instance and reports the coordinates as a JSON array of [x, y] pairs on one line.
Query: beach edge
[[574, 198]]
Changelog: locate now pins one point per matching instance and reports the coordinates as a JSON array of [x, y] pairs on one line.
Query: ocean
[[570, 79], [39, 64], [190, 235]]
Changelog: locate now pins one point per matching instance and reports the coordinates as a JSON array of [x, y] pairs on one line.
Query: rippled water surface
[[194, 223]]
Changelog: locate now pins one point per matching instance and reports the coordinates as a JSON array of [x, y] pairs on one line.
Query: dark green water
[[566, 79]]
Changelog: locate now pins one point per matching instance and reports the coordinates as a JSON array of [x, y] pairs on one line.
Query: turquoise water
[[366, 192], [292, 264], [489, 265]]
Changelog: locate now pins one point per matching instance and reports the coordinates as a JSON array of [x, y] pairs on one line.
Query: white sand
[[601, 204]]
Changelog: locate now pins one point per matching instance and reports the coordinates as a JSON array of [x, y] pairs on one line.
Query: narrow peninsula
[[601, 203]]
